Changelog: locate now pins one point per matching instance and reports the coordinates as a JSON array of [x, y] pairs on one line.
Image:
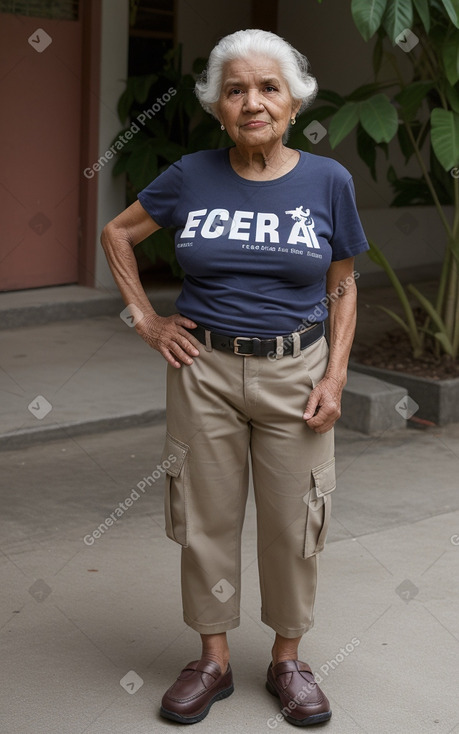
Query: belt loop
[[296, 344], [279, 347], [208, 344]]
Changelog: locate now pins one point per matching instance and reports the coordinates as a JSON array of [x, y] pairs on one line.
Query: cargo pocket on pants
[[174, 460], [318, 503]]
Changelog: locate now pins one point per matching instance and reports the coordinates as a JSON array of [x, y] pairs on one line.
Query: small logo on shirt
[[298, 214], [304, 226]]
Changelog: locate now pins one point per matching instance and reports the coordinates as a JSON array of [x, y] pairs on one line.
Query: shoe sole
[[309, 721], [199, 717]]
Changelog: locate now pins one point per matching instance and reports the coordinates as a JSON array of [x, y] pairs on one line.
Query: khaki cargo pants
[[222, 411]]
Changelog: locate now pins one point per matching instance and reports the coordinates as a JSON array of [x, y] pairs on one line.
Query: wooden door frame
[[91, 16]]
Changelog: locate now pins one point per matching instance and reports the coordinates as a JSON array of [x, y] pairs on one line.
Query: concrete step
[[70, 302], [71, 377], [371, 406]]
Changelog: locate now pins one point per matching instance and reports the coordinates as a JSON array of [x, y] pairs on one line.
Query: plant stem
[[428, 181], [416, 339], [450, 300], [443, 280], [431, 62], [454, 285]]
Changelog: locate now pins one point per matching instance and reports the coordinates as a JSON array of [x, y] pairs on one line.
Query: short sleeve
[[161, 196], [348, 237]]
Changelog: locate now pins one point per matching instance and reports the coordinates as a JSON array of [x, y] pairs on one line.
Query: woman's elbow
[[112, 236]]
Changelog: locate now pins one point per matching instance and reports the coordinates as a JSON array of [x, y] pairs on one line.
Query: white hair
[[244, 44]]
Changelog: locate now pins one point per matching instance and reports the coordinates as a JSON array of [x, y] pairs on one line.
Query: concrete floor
[[75, 620]]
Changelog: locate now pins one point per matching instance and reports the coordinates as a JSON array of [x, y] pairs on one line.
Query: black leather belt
[[246, 346]]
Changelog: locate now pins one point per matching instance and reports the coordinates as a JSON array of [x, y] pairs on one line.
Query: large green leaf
[[343, 122], [367, 15], [379, 118], [445, 137], [410, 98], [452, 8], [398, 17], [422, 7], [450, 56]]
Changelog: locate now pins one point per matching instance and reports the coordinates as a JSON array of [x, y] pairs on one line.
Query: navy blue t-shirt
[[255, 253]]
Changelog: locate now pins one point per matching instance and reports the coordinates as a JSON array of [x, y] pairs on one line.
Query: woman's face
[[255, 104]]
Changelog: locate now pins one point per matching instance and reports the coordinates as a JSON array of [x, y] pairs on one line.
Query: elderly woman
[[266, 236]]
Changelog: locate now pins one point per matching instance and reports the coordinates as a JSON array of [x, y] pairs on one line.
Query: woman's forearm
[[123, 265], [342, 321]]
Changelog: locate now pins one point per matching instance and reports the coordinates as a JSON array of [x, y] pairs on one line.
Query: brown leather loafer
[[198, 686], [302, 701]]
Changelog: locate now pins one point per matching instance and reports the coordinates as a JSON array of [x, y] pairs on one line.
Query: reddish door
[[40, 89]]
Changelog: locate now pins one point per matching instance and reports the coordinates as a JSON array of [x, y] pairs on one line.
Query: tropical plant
[[421, 111]]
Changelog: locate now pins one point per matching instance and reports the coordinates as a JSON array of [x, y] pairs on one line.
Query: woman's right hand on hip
[[168, 335]]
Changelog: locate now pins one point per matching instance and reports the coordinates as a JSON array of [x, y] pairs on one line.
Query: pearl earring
[[222, 127], [293, 121]]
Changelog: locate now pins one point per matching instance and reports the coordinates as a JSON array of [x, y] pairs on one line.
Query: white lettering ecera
[[245, 226]]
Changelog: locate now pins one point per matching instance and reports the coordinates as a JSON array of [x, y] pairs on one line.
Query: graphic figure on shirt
[[304, 225]]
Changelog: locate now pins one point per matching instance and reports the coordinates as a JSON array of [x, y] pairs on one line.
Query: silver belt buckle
[[236, 341]]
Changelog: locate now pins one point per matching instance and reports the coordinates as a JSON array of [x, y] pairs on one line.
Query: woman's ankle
[[285, 649], [215, 647]]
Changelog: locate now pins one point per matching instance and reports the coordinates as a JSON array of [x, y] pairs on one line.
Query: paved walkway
[[76, 619]]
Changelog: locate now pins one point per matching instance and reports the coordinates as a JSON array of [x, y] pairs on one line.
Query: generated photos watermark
[[39, 407], [131, 682], [314, 132], [134, 128], [407, 407], [407, 40], [124, 506], [223, 590], [407, 590], [131, 315], [40, 40]]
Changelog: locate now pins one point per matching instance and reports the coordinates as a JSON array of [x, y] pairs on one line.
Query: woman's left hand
[[324, 405]]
